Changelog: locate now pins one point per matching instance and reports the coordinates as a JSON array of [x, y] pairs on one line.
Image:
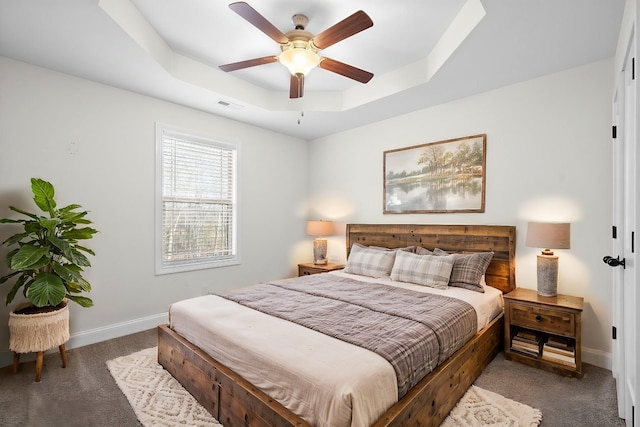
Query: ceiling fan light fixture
[[299, 48], [299, 60]]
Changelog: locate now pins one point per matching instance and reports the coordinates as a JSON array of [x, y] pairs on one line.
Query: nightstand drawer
[[535, 317], [309, 268]]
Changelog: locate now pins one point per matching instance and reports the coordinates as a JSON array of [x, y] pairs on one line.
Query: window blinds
[[197, 201]]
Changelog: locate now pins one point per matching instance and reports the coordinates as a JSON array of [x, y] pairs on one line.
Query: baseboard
[[598, 358], [92, 336]]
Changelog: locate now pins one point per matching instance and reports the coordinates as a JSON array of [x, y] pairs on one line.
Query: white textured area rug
[[159, 400], [480, 407], [156, 397]]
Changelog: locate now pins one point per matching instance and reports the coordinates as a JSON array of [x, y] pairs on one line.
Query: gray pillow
[[425, 270], [468, 269], [370, 261], [423, 251]]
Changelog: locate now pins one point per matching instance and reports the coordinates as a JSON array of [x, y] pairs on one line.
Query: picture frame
[[437, 177]]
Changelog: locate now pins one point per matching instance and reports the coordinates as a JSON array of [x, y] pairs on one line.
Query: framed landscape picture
[[438, 177]]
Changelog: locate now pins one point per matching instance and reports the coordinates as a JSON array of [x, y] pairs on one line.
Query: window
[[196, 209]]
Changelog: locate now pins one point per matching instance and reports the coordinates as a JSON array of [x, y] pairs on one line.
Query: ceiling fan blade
[[248, 63], [296, 89], [259, 21], [345, 70], [346, 28]]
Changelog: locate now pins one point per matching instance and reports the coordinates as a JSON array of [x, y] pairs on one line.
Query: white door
[[625, 295]]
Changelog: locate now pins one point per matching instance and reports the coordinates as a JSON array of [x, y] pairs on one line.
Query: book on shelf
[[569, 351], [525, 345], [526, 336], [559, 358], [558, 342], [532, 353], [526, 342]]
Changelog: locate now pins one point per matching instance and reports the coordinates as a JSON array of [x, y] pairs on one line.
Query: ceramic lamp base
[[320, 251], [547, 275]]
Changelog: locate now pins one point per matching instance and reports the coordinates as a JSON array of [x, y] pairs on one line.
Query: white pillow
[[370, 261], [426, 270]]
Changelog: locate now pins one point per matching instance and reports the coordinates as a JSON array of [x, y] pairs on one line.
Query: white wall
[[548, 158], [96, 145]]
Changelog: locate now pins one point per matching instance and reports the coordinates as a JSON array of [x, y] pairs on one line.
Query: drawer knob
[[538, 318]]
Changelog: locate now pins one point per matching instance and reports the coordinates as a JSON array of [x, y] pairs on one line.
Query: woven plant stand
[[37, 333]]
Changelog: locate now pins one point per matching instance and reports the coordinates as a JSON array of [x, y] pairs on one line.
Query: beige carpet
[[159, 400]]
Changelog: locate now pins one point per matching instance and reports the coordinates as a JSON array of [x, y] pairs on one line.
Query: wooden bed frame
[[235, 402]]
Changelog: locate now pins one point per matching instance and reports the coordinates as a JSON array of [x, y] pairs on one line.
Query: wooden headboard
[[501, 239]]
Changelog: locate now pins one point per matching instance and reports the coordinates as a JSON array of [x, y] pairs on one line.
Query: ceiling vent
[[229, 104]]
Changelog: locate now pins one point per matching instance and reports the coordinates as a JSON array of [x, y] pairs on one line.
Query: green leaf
[[78, 258], [27, 256], [83, 301], [49, 224], [46, 289], [72, 216], [15, 239], [11, 221], [10, 255], [70, 208], [79, 233], [71, 276], [33, 227], [38, 266], [12, 293], [8, 276], [29, 214], [63, 245], [43, 193], [87, 250], [73, 288]]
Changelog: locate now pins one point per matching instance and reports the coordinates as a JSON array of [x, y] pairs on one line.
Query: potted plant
[[47, 264]]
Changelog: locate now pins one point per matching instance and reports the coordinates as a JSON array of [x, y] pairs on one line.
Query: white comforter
[[324, 380]]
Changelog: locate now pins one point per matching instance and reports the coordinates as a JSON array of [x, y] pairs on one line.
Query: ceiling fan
[[300, 47]]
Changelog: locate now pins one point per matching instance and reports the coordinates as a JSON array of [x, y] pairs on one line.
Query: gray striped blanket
[[413, 331]]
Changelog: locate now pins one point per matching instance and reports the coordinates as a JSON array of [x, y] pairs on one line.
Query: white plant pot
[[38, 332]]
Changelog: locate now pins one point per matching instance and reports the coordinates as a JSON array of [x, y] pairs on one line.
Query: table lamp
[[320, 229], [548, 235]]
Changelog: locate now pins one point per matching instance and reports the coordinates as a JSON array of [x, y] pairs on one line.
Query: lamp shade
[[549, 235], [320, 228], [299, 60]]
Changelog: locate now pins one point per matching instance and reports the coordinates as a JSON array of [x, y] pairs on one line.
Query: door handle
[[614, 262]]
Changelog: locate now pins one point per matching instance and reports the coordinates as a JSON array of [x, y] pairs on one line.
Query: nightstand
[[311, 268], [544, 332]]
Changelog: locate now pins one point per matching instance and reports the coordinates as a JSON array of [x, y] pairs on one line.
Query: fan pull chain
[[301, 116]]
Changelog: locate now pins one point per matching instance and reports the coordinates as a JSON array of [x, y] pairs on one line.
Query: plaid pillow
[[426, 270], [423, 251], [468, 269], [369, 261]]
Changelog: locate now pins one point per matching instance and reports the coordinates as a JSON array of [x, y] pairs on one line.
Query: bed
[[235, 401]]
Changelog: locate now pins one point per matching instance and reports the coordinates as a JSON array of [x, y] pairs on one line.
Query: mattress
[[326, 381]]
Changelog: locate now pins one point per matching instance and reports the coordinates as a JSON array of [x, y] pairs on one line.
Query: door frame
[[626, 217]]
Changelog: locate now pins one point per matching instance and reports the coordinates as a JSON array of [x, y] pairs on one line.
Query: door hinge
[[633, 242], [633, 68], [614, 132], [614, 232], [614, 333]]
